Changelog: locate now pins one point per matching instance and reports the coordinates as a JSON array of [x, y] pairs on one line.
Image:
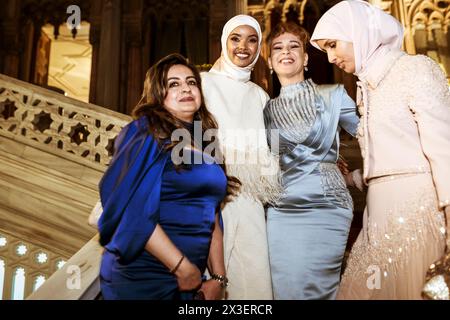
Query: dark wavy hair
[[162, 123]]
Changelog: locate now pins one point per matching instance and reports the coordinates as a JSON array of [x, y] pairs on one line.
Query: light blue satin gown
[[308, 227]]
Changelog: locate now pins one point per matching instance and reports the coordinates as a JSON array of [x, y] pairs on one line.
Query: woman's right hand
[[358, 179], [355, 179], [188, 276]]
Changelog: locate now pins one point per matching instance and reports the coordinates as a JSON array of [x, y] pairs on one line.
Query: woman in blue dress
[[160, 224], [308, 227]]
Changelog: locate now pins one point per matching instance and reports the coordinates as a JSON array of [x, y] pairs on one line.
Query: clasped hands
[[189, 278]]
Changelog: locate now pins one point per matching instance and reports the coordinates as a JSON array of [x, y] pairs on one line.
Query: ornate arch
[[429, 14], [178, 9], [52, 12], [299, 6], [178, 26]]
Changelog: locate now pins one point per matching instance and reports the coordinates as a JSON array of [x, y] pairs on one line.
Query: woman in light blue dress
[[308, 227]]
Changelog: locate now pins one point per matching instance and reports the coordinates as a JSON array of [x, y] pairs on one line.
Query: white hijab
[[237, 105], [223, 65], [372, 31]]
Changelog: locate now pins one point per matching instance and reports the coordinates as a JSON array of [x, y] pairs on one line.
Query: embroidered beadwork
[[294, 111], [411, 101], [408, 229], [260, 180], [333, 184]]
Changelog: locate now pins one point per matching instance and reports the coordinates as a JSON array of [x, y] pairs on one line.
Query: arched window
[[18, 284], [24, 267], [64, 63], [2, 277], [60, 263], [38, 281]]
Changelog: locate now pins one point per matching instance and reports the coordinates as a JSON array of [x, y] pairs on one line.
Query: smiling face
[[183, 96], [288, 58], [242, 45], [340, 53]]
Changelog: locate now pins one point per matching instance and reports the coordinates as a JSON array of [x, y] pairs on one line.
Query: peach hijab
[[372, 31]]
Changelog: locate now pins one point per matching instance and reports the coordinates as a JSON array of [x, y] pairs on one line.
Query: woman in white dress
[[237, 105]]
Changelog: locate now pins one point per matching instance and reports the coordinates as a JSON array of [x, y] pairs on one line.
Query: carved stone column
[[12, 52], [107, 92], [134, 74], [260, 74], [8, 282], [11, 38], [146, 45], [94, 39], [132, 79], [27, 53], [218, 13], [236, 7]]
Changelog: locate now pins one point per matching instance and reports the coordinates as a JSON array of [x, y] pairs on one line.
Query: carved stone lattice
[[36, 261], [58, 123], [7, 109]]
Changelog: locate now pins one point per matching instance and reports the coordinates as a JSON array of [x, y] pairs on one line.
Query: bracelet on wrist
[[222, 279], [178, 265]]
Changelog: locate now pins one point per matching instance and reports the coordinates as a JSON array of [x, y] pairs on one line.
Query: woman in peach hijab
[[404, 135]]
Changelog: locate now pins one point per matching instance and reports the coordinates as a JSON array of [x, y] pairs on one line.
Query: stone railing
[[78, 279], [67, 129], [60, 125]]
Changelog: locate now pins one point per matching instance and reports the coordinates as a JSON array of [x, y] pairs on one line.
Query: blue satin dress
[[183, 203], [308, 227]]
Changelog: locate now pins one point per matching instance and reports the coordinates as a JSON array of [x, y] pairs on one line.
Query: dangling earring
[[271, 71], [306, 68]]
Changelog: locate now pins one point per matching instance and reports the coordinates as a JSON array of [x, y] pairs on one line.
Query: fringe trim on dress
[[258, 170]]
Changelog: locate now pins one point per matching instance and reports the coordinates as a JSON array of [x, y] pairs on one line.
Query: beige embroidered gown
[[404, 136]]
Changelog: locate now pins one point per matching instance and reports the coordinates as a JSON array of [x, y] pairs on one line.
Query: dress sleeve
[[263, 96], [348, 119], [219, 212], [430, 105], [130, 194]]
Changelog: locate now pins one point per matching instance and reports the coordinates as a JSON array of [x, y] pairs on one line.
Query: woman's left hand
[[343, 167], [212, 290]]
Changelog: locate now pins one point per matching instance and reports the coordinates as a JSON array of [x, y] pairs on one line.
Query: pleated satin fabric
[[308, 227]]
